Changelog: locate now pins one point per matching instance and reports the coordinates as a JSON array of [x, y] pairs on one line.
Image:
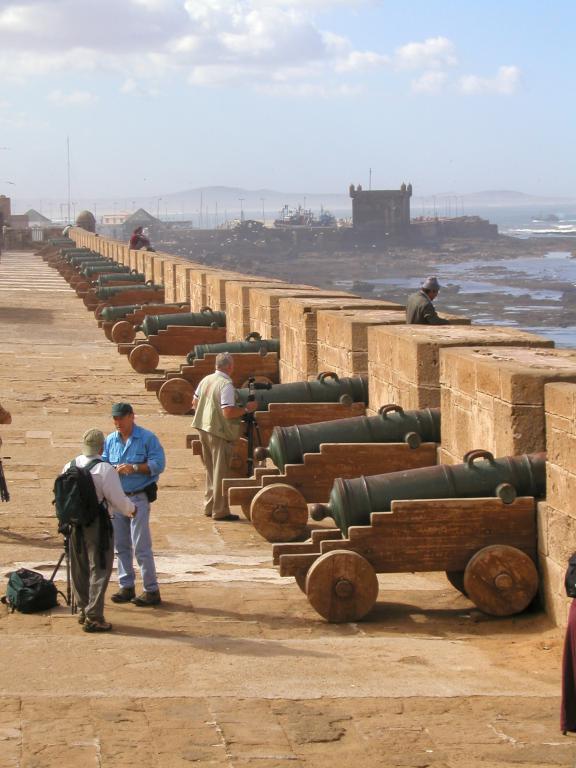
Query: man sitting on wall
[[419, 307]]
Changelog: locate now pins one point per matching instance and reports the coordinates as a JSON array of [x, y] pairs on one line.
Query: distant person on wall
[[139, 241], [217, 418], [419, 307], [139, 459]]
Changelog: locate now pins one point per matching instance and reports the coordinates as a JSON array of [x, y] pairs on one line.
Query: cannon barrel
[[110, 314], [74, 251], [88, 260], [480, 475], [327, 388], [60, 242], [154, 323], [393, 425], [90, 270], [263, 346], [109, 291], [113, 277]]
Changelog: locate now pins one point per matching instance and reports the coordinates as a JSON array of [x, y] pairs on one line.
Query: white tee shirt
[[107, 484]]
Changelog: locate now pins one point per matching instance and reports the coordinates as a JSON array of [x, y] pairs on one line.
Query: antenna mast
[[68, 174]]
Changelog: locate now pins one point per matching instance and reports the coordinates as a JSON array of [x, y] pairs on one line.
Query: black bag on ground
[[29, 592], [75, 496], [570, 577]]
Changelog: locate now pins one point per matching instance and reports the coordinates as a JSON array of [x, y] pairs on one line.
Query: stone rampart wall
[[500, 389]]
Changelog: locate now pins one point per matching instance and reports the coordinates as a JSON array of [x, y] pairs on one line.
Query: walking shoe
[[81, 616], [147, 598], [97, 626], [124, 595], [226, 518], [208, 514]]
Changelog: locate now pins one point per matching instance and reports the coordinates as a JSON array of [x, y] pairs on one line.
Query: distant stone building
[[384, 210]]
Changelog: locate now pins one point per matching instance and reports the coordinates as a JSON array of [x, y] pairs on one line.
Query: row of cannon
[[341, 495]]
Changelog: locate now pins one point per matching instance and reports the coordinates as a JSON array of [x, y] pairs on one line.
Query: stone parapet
[[299, 333], [265, 306], [493, 398], [404, 360], [557, 516], [238, 319], [343, 337]]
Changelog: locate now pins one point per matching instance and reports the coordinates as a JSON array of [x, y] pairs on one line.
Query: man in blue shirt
[[139, 459]]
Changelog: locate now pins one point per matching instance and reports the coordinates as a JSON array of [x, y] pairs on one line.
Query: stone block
[[183, 270], [560, 488], [511, 381], [238, 320], [561, 535], [343, 337], [543, 511], [298, 327], [560, 400], [412, 352], [216, 283], [265, 306], [198, 290], [552, 592]]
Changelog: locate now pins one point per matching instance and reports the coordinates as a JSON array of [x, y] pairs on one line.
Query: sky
[[159, 96]]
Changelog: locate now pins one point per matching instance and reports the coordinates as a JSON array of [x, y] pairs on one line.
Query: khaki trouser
[[217, 455], [89, 578]]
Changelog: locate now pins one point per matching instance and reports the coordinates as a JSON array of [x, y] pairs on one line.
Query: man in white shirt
[[92, 546], [217, 418]]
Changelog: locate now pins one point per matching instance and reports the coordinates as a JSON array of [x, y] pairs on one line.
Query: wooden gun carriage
[[488, 549]]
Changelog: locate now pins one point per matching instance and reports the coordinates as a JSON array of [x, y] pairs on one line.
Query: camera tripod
[[66, 531]]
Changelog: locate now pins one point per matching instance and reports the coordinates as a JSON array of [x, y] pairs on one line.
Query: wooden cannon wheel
[[501, 580], [123, 332], [144, 358], [279, 512], [176, 396], [342, 586]]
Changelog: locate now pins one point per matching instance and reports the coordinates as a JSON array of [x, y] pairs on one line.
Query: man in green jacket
[[419, 307], [217, 418]]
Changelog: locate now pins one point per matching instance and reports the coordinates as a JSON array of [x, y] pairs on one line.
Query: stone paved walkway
[[234, 668]]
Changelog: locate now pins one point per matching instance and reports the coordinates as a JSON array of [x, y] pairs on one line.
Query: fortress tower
[[385, 210]]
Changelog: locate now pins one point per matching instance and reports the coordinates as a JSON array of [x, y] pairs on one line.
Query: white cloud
[[433, 53], [211, 43], [74, 98], [360, 60], [504, 82], [429, 82]]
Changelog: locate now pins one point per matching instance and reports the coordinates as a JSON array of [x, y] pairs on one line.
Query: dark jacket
[[420, 311]]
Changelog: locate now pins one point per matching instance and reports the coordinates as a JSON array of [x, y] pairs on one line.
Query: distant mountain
[[504, 197]]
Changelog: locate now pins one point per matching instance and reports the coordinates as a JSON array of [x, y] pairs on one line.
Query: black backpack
[[570, 577], [29, 592], [75, 496]]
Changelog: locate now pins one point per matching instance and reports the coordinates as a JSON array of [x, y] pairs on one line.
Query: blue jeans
[[132, 537]]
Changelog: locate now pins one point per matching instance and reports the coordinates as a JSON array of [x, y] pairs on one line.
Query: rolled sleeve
[[113, 493]]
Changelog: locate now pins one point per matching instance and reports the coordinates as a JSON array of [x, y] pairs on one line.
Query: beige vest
[[209, 416]]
